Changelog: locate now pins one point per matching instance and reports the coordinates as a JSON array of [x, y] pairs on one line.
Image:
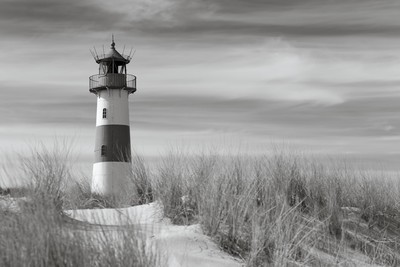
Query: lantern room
[[112, 62], [112, 72]]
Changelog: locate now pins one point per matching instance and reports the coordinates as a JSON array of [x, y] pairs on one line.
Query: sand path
[[183, 245]]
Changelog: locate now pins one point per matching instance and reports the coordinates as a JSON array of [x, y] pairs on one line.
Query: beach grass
[[283, 208], [35, 231]]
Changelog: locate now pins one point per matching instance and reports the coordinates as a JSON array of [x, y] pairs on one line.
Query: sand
[[180, 245]]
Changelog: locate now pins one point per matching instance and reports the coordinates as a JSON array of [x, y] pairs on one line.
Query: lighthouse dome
[[113, 56]]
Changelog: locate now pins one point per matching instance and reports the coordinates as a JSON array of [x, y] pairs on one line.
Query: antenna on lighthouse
[[93, 54], [97, 55], [130, 54]]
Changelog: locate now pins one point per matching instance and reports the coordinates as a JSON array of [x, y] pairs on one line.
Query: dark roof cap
[[113, 55]]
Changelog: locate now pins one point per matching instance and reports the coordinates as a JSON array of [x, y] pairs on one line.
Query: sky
[[321, 75]]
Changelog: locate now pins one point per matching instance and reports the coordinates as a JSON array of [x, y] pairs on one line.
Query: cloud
[[33, 17], [319, 72], [169, 18], [359, 117], [368, 116], [244, 29], [269, 18], [274, 69]]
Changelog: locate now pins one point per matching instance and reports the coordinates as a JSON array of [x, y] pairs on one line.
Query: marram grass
[[283, 209]]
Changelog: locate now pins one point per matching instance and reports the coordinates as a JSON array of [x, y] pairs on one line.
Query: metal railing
[[112, 80]]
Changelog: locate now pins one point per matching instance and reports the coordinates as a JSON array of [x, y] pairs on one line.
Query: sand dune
[[182, 245]]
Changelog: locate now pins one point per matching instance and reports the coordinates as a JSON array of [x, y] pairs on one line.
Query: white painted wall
[[117, 105], [110, 178]]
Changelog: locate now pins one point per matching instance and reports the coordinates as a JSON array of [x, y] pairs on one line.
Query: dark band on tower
[[113, 143]]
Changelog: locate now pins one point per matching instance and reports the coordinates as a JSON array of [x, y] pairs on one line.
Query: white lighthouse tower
[[112, 152]]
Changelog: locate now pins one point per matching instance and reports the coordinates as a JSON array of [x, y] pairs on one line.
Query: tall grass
[[282, 209], [37, 237], [39, 234], [141, 191]]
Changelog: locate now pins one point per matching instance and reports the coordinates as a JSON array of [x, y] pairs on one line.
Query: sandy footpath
[[183, 245]]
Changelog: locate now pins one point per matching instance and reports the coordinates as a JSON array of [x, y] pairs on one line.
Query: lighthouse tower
[[112, 151]]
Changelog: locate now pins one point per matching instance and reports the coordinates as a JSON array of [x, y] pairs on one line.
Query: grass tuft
[[282, 209], [35, 231]]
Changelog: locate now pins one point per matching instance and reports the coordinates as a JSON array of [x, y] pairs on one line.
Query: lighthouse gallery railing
[[112, 80]]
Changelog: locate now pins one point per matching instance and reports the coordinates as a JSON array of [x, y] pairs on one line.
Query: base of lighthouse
[[110, 178]]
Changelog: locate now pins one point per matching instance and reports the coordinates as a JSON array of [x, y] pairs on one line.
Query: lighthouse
[[112, 151]]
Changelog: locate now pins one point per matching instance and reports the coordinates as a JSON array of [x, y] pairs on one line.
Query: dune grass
[[281, 209], [285, 208], [38, 233]]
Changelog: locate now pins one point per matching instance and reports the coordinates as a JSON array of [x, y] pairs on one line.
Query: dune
[[182, 245]]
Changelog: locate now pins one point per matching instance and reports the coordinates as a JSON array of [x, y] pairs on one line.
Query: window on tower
[[103, 150], [104, 113]]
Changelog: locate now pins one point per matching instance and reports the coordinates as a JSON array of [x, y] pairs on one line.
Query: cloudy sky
[[322, 75]]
